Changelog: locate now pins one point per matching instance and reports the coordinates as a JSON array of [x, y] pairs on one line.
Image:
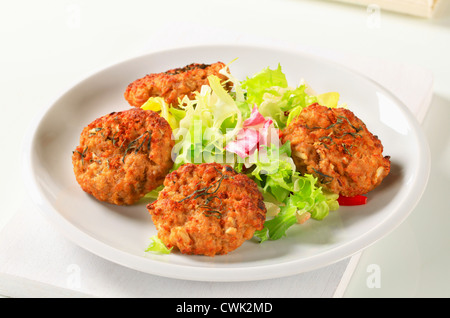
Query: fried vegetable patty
[[123, 155], [336, 146], [207, 209], [173, 84]]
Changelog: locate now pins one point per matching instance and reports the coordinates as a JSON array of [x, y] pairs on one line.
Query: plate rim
[[213, 274]]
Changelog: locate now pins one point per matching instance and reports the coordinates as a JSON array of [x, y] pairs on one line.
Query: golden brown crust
[[207, 209], [173, 84], [123, 155], [336, 146]]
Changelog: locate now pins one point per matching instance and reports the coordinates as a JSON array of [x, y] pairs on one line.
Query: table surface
[[49, 45]]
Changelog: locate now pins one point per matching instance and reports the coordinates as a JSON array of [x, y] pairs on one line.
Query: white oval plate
[[121, 234]]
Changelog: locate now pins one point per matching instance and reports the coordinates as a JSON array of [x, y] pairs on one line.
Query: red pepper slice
[[349, 201]]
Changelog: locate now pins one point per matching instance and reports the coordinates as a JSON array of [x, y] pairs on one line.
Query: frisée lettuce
[[269, 90], [211, 119], [298, 196], [271, 166], [156, 246], [241, 128]]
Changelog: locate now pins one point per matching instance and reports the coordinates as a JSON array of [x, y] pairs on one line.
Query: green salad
[[241, 128]]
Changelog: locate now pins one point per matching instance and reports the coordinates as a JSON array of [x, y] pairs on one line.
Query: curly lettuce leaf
[[274, 168], [300, 196], [279, 102], [156, 246], [307, 201], [211, 119], [269, 90], [262, 82]]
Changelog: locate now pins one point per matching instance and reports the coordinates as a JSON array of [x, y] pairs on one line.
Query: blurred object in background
[[421, 8]]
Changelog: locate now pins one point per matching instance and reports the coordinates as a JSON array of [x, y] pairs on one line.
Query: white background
[[46, 46]]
